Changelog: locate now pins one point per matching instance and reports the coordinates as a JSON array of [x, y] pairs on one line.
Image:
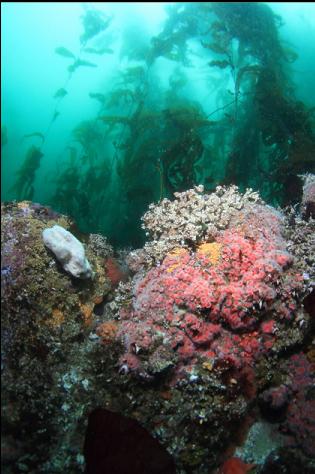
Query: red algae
[[235, 466], [113, 271]]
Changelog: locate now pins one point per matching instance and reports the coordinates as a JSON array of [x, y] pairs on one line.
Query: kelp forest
[[208, 100]]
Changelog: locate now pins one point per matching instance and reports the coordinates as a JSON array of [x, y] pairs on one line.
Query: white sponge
[[68, 250]]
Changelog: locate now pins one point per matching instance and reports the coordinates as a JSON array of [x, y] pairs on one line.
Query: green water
[[109, 107]]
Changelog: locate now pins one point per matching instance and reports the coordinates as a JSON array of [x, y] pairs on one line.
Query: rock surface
[[188, 370]]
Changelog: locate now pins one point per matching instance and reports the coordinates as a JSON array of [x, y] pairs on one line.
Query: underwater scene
[[157, 238]]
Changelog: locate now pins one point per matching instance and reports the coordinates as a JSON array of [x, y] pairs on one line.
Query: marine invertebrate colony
[[224, 295], [68, 250]]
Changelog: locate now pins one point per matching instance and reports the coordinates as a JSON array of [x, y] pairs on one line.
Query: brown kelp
[[93, 23], [81, 183], [154, 132], [274, 138], [23, 187]]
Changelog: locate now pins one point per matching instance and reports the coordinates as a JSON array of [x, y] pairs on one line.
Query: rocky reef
[[46, 319], [205, 334]]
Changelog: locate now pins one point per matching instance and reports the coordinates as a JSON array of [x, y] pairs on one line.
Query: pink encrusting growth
[[244, 280], [221, 300]]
